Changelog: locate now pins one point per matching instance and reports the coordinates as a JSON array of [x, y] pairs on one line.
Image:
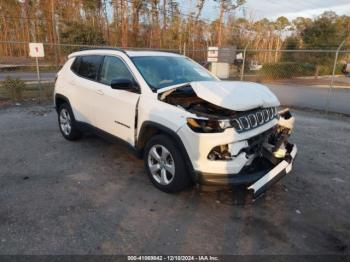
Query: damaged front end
[[267, 155], [278, 152]]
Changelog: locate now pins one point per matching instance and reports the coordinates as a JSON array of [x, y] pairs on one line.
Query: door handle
[[100, 92]]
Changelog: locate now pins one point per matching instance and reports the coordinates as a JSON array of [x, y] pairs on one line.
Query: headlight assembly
[[244, 121], [208, 125]]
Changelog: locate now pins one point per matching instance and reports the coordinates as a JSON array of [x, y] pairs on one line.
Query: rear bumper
[[258, 179]]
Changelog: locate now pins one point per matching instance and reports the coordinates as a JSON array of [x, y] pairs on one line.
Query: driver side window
[[113, 68]]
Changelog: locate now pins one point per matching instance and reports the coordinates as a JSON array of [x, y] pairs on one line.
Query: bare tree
[[225, 7]]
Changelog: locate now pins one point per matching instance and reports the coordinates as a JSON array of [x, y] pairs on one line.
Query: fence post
[[38, 77], [333, 75], [243, 65]]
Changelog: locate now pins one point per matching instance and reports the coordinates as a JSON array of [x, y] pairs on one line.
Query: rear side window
[[87, 66], [75, 65]]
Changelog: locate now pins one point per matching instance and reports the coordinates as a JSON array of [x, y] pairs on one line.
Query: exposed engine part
[[286, 120], [217, 117], [271, 144], [252, 147], [187, 99], [256, 143], [280, 152], [284, 129]]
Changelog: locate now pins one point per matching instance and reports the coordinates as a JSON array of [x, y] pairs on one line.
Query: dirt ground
[[93, 197]]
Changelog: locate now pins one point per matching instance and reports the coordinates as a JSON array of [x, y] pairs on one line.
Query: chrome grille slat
[[253, 119]]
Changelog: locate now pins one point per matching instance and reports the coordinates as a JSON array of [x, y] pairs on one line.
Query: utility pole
[[243, 65], [53, 31], [333, 75]]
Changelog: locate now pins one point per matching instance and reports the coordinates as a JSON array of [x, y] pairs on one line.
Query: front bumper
[[259, 177]]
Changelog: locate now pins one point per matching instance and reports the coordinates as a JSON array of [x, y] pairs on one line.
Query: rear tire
[[165, 165], [67, 123]]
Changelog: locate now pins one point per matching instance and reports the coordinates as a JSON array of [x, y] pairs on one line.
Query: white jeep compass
[[187, 124]]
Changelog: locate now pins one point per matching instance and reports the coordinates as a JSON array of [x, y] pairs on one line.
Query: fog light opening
[[220, 153]]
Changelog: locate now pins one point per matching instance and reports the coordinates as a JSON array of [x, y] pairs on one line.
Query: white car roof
[[111, 51]]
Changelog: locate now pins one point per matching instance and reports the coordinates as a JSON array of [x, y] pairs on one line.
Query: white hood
[[234, 95]]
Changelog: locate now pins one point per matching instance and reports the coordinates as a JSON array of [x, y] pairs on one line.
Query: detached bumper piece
[[280, 153], [276, 173]]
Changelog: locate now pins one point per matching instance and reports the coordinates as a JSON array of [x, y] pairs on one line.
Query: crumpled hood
[[233, 95]]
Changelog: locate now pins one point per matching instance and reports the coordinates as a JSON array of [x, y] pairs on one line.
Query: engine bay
[[187, 99]]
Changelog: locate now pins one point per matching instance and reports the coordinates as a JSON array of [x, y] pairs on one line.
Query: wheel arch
[[150, 129], [59, 100]]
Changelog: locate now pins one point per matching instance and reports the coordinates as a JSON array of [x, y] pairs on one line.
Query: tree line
[[160, 24]]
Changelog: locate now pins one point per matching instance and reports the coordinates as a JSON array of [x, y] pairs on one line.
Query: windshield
[[163, 71]]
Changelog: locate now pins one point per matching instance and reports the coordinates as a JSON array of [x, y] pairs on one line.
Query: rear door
[[115, 110], [83, 82]]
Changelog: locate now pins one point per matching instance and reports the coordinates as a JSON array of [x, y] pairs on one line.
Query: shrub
[[286, 70], [328, 69], [14, 87]]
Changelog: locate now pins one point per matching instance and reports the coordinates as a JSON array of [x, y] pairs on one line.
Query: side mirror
[[124, 84]]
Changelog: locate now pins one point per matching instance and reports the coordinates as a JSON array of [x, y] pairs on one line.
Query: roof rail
[[103, 48]]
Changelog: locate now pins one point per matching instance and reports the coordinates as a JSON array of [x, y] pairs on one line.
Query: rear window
[[87, 66]]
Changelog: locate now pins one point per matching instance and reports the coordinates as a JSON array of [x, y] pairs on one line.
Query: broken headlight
[[208, 125], [244, 121]]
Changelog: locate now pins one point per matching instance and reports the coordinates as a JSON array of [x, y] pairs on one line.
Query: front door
[[115, 110]]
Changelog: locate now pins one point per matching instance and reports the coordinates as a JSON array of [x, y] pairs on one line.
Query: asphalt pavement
[[94, 197]]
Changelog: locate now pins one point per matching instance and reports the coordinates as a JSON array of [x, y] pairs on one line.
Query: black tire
[[181, 178], [74, 133]]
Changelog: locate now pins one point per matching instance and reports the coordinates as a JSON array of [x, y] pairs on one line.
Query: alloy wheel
[[65, 122], [161, 164]]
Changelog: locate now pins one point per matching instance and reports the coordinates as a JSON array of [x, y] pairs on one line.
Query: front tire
[[165, 165], [67, 124]]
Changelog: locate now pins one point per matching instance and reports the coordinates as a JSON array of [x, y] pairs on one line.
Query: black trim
[[248, 176], [97, 72], [86, 78], [59, 96], [85, 127], [242, 178], [97, 80], [122, 124], [76, 65], [178, 142], [136, 119], [230, 179]]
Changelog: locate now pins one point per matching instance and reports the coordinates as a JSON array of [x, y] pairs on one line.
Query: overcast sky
[[271, 9]]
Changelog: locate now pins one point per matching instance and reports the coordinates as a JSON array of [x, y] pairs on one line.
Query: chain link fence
[[318, 79]]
